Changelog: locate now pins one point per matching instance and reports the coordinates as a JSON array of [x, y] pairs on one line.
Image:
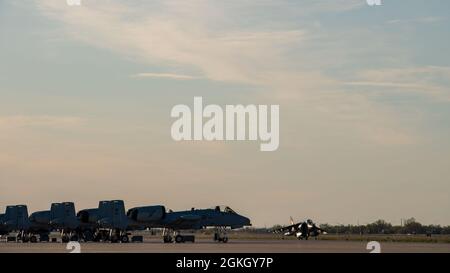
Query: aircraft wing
[[286, 228]]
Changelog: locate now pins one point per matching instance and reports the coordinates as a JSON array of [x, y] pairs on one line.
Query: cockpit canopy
[[225, 209]]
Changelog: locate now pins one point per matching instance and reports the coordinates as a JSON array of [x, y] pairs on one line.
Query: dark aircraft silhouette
[[301, 230], [108, 222], [194, 219], [61, 217], [16, 220]]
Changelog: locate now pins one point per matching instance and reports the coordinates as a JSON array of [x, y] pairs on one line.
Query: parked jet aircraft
[[108, 222], [61, 217], [157, 217], [302, 230], [16, 220]]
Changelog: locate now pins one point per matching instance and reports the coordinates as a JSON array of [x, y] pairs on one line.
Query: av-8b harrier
[[301, 230], [194, 219]]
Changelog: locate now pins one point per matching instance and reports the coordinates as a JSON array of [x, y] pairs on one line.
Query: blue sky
[[86, 94]]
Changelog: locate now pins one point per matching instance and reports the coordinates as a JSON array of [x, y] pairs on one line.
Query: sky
[[364, 93]]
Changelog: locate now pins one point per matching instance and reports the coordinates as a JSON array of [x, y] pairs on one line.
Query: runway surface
[[235, 246]]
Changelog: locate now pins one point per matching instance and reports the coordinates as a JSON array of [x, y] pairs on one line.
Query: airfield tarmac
[[234, 246]]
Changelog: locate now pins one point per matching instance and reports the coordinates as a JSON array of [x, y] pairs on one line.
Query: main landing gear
[[111, 235], [69, 235], [220, 235]]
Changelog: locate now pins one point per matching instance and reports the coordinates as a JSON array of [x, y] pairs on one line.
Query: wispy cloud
[[423, 20], [182, 36], [431, 81], [164, 75], [23, 121], [178, 36]]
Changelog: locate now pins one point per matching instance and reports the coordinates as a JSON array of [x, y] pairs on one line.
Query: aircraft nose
[[247, 221]]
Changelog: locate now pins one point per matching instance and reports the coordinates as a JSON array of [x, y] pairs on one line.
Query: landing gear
[[166, 236], [116, 236], [179, 239], [101, 236], [65, 238], [167, 239], [124, 239], [74, 238], [33, 239], [69, 236], [220, 235], [88, 236], [25, 238]]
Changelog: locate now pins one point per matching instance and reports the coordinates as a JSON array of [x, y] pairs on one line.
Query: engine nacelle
[[147, 214], [40, 217], [16, 218], [62, 215], [88, 216]]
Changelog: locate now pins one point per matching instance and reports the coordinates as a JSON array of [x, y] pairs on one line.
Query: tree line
[[410, 226]]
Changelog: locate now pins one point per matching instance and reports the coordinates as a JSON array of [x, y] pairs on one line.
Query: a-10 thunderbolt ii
[[15, 220], [61, 217], [301, 230], [194, 219], [108, 222]]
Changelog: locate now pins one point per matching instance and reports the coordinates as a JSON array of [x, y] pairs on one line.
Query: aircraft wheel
[[65, 239], [179, 239], [33, 239], [167, 239], [225, 240], [124, 239]]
